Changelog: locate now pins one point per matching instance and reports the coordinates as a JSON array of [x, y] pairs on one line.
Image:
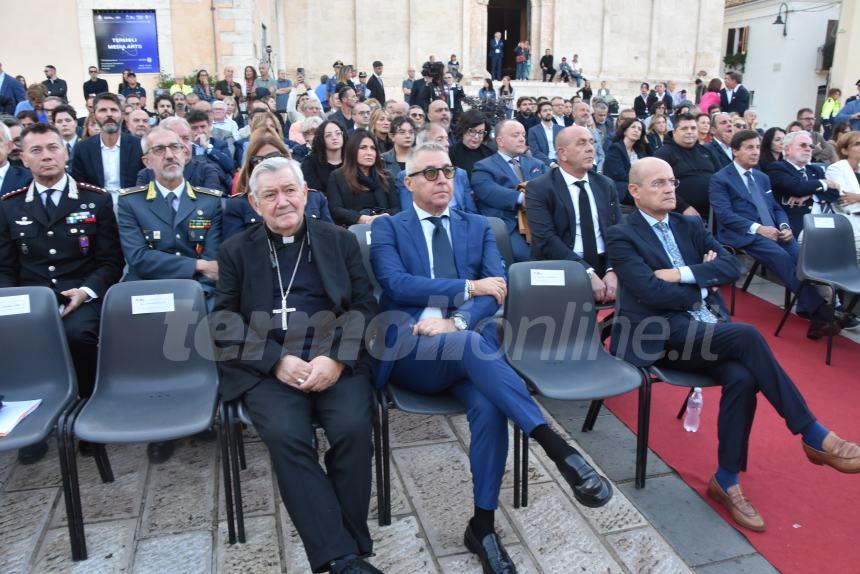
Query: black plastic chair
[[51, 378], [362, 233], [157, 379], [827, 257], [553, 341], [503, 240]]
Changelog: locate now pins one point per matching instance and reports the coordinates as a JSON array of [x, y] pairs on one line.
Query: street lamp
[[779, 20]]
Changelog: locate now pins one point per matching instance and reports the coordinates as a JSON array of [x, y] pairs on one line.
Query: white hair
[[420, 148], [172, 121], [159, 129], [219, 104], [5, 133], [311, 123], [273, 165], [423, 135], [791, 136]]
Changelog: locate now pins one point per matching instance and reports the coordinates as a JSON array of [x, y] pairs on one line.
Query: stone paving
[[169, 518]]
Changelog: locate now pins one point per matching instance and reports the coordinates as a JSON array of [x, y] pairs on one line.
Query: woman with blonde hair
[[380, 125]]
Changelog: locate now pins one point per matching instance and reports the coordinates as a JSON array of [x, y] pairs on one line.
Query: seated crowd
[[247, 187]]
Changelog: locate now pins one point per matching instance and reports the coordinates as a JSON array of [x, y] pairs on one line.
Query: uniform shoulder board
[[207, 191], [14, 193], [129, 190], [90, 187]]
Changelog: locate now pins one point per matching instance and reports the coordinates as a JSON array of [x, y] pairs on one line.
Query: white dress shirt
[[427, 227], [550, 140], [3, 171], [574, 196], [110, 165]]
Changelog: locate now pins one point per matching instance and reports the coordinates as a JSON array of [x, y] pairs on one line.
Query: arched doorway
[[511, 18]]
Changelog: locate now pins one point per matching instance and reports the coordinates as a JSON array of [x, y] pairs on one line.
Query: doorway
[[511, 18]]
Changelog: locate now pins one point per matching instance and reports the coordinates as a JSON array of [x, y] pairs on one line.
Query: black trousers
[[548, 74], [82, 334], [744, 364], [329, 508]]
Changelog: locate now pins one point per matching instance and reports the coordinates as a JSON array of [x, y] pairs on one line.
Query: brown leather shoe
[[840, 454], [818, 329], [737, 504]]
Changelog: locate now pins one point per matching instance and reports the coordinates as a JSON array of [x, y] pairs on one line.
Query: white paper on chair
[[14, 305], [548, 277], [824, 223], [367, 238], [160, 303], [14, 412]]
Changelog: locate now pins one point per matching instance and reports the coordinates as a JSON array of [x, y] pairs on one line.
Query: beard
[[109, 127]]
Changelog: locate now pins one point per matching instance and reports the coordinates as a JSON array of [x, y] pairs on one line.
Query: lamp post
[[779, 19]]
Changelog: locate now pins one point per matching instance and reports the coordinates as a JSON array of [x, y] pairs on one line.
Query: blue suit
[[462, 200], [734, 213], [239, 215], [199, 172], [495, 182], [16, 178], [497, 52], [489, 389], [848, 110], [160, 244], [538, 144], [788, 182], [11, 92], [87, 163]]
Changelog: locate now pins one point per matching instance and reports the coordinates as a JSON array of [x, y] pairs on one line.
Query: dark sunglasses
[[258, 159], [431, 173]]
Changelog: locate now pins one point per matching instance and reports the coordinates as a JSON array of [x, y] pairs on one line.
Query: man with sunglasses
[[169, 229], [442, 277], [94, 85], [416, 113]]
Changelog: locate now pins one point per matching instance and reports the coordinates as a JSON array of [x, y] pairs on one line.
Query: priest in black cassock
[[291, 305]]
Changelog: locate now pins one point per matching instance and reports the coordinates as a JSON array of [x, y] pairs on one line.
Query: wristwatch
[[590, 272], [460, 322]]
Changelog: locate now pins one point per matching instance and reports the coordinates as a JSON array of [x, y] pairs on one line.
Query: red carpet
[[812, 512]]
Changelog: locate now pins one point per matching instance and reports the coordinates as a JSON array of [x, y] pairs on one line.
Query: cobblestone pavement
[[169, 518]]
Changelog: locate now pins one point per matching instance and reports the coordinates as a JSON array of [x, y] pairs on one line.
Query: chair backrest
[[828, 246], [503, 240], [34, 355], [550, 312], [155, 333], [362, 232]]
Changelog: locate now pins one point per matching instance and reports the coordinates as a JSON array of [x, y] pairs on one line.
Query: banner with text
[[126, 40]]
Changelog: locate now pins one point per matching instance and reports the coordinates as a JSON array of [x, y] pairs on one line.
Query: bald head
[[652, 186], [574, 147], [511, 137]]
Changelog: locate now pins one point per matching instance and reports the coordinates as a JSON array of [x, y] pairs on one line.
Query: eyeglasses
[[661, 183], [405, 132], [159, 150], [416, 116], [431, 173], [476, 133], [258, 159]]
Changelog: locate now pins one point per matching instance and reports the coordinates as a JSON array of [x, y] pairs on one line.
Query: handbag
[[520, 58]]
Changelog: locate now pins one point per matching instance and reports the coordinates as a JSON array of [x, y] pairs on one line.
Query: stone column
[[478, 40], [547, 33]]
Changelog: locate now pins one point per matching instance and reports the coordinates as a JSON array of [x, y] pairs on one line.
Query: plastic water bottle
[[694, 411]]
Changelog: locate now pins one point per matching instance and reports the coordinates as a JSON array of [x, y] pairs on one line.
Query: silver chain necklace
[[284, 311]]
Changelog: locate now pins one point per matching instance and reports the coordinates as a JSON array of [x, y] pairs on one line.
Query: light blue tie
[[702, 314], [758, 200]]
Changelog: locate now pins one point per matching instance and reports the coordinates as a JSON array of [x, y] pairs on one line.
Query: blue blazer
[[788, 182], [463, 194], [495, 182], [734, 210], [537, 141], [199, 172], [87, 161], [239, 215], [16, 178], [635, 253], [401, 264], [11, 92]]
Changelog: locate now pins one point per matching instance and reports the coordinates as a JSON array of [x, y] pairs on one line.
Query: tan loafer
[[741, 509], [840, 454]]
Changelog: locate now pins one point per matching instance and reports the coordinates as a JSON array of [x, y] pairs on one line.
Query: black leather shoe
[[493, 556], [847, 320], [33, 453], [589, 488], [159, 452], [818, 329], [353, 565]]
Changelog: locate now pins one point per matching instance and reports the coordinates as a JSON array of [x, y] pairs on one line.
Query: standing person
[[11, 92], [283, 89], [375, 83], [734, 97], [506, 96], [361, 190], [711, 97], [54, 85], [315, 370], [406, 85], [496, 53], [37, 248], [326, 155], [520, 55], [202, 88], [94, 85], [546, 66], [265, 80], [527, 52]]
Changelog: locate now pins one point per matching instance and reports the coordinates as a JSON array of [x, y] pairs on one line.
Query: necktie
[[758, 200], [171, 201], [586, 225], [69, 148], [803, 175], [50, 207], [516, 164], [443, 256], [702, 314]]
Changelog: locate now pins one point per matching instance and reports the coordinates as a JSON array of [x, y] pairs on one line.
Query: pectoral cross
[[283, 312]]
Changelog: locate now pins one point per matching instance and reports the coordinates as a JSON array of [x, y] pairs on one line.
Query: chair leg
[[234, 465], [591, 417], [79, 552], [750, 275], [643, 427], [223, 430], [788, 309], [240, 440], [852, 304], [732, 305], [516, 466], [386, 462], [377, 459], [684, 404], [787, 298], [103, 463], [525, 470], [77, 518]]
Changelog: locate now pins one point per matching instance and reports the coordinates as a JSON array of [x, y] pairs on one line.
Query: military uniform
[[77, 246], [159, 243]]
